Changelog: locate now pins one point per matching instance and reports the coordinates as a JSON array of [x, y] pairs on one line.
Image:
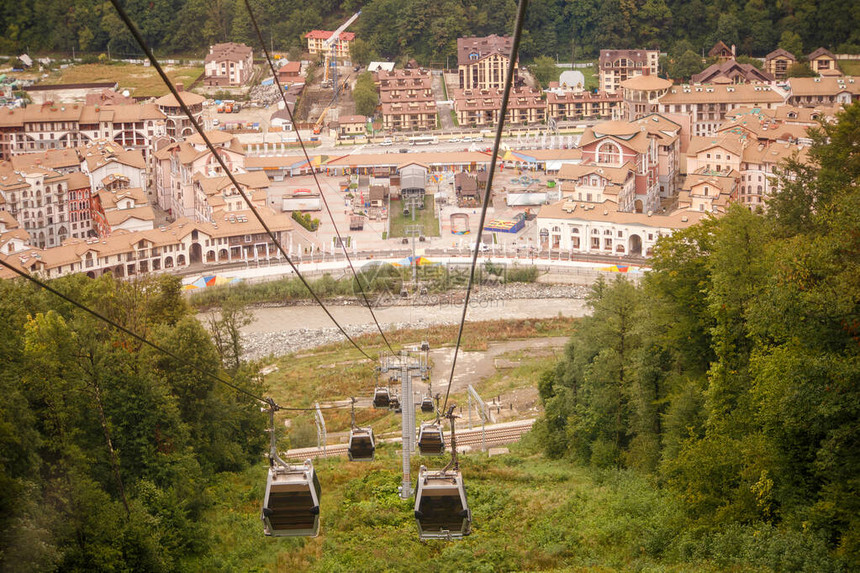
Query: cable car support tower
[[405, 366]]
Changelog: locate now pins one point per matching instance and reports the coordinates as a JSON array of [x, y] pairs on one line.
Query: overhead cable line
[[269, 401], [152, 59], [509, 80], [313, 171]]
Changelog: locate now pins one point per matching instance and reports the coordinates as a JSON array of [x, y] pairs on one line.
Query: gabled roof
[[229, 51], [820, 52], [718, 49], [780, 53], [729, 141], [482, 48], [188, 98], [325, 35], [731, 69]]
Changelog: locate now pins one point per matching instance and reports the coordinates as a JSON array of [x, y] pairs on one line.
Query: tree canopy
[[428, 31], [106, 447], [732, 372]]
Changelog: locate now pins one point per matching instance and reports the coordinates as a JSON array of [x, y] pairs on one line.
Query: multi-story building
[[666, 134], [178, 163], [564, 105], [641, 95], [481, 107], [708, 105], [778, 62], [616, 66], [708, 193], [340, 49], [483, 62], [576, 227], [38, 199], [752, 164], [100, 160], [732, 72], [177, 124], [228, 64], [823, 91], [822, 61], [621, 163], [233, 237], [80, 206], [407, 99], [124, 208], [722, 52], [39, 128], [213, 195]]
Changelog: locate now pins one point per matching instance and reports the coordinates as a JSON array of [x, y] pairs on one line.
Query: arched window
[[609, 153]]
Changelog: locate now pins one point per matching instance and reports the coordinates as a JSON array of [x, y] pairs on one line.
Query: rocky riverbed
[[279, 330]]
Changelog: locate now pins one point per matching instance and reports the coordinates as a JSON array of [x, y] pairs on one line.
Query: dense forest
[[732, 372], [107, 447], [428, 31]]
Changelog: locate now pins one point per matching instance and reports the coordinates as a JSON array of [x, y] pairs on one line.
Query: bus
[[423, 140]]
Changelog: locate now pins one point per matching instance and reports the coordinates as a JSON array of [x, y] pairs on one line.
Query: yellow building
[[483, 62]]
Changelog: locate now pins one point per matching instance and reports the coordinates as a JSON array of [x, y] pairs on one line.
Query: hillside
[[428, 31]]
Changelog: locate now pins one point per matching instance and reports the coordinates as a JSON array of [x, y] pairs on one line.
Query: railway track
[[495, 435]]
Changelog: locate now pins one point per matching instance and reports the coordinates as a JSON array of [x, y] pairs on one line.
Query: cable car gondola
[[430, 439], [362, 445], [441, 508], [291, 505], [427, 400], [381, 397], [427, 404], [395, 404]]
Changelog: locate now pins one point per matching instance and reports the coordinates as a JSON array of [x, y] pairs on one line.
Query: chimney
[[734, 51], [180, 86]]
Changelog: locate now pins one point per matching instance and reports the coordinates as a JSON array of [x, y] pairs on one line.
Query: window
[[247, 238], [620, 234]]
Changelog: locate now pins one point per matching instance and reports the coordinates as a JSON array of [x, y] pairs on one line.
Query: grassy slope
[[339, 371], [142, 81], [528, 514], [850, 67]]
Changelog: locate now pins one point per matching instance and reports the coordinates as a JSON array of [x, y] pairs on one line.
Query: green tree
[[800, 70], [791, 43], [544, 70], [365, 95], [686, 65]]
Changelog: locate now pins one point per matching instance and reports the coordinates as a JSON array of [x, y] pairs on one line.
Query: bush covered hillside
[[732, 374], [428, 31]]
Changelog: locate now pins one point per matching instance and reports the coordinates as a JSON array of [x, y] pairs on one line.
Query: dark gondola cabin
[[427, 404], [291, 507], [381, 397], [361, 445], [430, 440], [441, 508], [395, 404]]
